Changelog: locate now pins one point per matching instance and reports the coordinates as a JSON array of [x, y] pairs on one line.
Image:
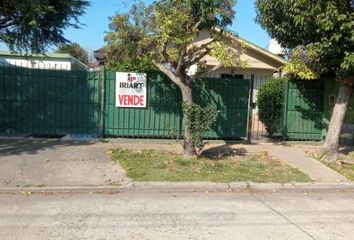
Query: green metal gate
[[231, 98], [303, 110], [48, 102], [163, 116]]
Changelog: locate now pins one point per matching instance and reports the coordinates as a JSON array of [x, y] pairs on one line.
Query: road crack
[[284, 217]]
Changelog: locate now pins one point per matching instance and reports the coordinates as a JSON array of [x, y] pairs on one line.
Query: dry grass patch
[[346, 170]]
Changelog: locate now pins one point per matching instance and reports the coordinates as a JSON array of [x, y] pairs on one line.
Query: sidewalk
[[296, 158], [56, 164], [47, 163]]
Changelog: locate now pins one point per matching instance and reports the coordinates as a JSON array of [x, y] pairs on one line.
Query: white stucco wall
[[38, 64]]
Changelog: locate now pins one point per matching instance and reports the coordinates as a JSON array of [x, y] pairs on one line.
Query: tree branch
[[181, 58], [168, 73], [199, 52], [164, 50], [197, 58], [6, 24], [208, 71]]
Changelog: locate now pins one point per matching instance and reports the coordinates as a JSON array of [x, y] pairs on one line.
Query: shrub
[[270, 100], [200, 120]]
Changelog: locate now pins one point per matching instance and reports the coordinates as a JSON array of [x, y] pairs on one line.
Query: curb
[[249, 187], [241, 186]]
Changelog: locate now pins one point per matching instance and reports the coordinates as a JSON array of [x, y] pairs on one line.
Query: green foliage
[[199, 120], [298, 67], [127, 39], [164, 32], [324, 29], [270, 101], [133, 65], [75, 50], [35, 25], [228, 56]]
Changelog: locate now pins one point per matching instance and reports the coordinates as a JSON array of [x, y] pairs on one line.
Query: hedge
[[270, 100]]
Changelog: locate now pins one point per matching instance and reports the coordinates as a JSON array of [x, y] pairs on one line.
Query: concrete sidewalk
[[45, 163], [55, 163], [297, 158]]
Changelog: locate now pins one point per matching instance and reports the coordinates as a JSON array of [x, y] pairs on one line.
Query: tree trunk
[[331, 144], [188, 146], [180, 79]]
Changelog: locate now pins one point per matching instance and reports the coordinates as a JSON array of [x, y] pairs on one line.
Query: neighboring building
[[99, 55], [94, 66], [54, 61]]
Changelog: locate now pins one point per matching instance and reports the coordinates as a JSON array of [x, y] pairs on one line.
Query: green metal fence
[[303, 110], [43, 102], [163, 116]]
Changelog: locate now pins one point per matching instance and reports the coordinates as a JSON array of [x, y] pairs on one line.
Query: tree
[[164, 34], [37, 24], [321, 35], [75, 50]]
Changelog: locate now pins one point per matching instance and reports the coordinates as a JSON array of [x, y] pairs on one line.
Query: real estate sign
[[131, 90]]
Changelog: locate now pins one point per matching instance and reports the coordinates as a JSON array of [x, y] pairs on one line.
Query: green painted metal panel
[[53, 102], [48, 102], [160, 119], [304, 117], [163, 116], [231, 98]]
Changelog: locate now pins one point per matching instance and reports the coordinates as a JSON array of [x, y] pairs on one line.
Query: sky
[[96, 20]]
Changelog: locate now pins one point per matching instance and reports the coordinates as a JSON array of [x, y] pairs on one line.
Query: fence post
[[250, 110], [102, 77], [285, 109]]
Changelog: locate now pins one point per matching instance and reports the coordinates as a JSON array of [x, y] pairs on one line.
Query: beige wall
[[261, 63], [255, 58]]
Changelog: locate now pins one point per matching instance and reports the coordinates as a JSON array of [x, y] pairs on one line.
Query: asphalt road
[[166, 215]]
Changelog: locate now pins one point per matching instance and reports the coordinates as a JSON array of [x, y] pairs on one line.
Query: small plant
[[270, 101], [199, 120], [104, 140], [174, 134], [182, 161]]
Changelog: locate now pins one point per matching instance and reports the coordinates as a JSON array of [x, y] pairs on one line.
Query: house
[[53, 61], [262, 63]]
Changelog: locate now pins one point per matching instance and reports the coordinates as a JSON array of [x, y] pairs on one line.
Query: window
[[227, 75]]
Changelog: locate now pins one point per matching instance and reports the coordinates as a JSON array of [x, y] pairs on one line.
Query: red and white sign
[[131, 90]]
